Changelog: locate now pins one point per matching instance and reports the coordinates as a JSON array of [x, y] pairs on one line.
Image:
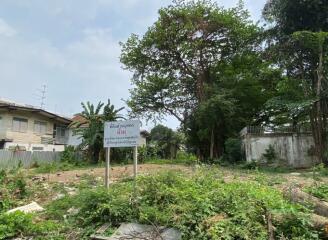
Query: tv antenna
[[42, 95]]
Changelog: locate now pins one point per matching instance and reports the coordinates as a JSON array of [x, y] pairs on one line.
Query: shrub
[[186, 158], [319, 191], [20, 224], [201, 207], [270, 154], [12, 188], [69, 155]]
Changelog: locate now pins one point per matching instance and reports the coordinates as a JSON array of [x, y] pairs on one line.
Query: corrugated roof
[[9, 104]]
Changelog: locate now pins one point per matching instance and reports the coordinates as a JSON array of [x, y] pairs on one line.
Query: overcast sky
[[72, 46]]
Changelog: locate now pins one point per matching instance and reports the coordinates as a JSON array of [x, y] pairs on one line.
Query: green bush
[[233, 150], [201, 206], [12, 188], [253, 165], [71, 156], [270, 154], [319, 191], [53, 167], [18, 224]]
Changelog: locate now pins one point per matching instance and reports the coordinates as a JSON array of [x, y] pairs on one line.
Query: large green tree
[[166, 141], [187, 65], [298, 42]]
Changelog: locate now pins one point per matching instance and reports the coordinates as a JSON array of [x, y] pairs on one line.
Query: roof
[[79, 119], [13, 106]]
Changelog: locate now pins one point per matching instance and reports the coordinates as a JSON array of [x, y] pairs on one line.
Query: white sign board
[[122, 134]]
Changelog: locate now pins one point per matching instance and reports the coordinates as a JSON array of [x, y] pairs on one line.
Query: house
[[28, 128]]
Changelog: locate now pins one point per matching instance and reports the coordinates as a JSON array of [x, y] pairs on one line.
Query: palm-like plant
[[90, 126]]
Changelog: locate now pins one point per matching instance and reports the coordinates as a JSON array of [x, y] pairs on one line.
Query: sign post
[[135, 161], [121, 134], [107, 170]]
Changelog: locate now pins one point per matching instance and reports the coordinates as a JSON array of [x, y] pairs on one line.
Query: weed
[[20, 224], [189, 204], [319, 191]]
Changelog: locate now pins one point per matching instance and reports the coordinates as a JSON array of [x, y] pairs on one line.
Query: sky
[[72, 47]]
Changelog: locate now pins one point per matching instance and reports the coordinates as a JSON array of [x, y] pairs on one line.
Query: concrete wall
[[292, 149]]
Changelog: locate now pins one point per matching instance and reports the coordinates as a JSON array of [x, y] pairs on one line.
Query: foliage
[[18, 224], [201, 64], [233, 150], [12, 188], [202, 207], [69, 155], [270, 154], [53, 167], [166, 141], [319, 191], [292, 16], [182, 157], [90, 126], [253, 165], [298, 45]]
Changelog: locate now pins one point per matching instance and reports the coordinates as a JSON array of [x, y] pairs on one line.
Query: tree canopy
[[298, 43], [200, 63]]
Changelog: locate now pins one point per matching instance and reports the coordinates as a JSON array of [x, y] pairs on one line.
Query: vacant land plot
[[202, 202]]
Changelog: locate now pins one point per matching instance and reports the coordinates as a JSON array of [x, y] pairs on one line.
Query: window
[[61, 132], [20, 124], [37, 148], [40, 127]]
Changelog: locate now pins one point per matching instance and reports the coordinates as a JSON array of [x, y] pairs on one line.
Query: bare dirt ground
[[280, 180], [115, 172]]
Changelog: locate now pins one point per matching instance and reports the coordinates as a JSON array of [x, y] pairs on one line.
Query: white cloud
[[72, 46], [86, 69], [6, 29]]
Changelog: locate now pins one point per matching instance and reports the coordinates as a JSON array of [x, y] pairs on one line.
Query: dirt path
[[116, 172]]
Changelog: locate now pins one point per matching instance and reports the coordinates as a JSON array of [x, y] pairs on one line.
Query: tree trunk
[[318, 114], [212, 144], [298, 196]]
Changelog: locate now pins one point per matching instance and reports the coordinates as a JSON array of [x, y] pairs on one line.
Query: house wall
[[292, 149], [73, 140], [2, 132], [28, 139]]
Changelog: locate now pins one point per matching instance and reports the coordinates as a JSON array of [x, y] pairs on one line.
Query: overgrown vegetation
[[14, 191], [202, 207], [319, 191]]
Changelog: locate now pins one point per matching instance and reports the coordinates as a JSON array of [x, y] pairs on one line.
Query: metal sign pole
[[135, 161], [107, 174]]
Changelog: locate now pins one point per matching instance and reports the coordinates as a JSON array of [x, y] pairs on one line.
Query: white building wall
[[293, 149], [73, 140]]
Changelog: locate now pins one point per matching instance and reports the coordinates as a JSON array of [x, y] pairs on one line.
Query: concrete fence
[[11, 159], [292, 149]]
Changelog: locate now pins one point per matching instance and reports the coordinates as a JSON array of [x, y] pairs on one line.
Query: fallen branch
[[318, 222], [298, 196], [270, 226]]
